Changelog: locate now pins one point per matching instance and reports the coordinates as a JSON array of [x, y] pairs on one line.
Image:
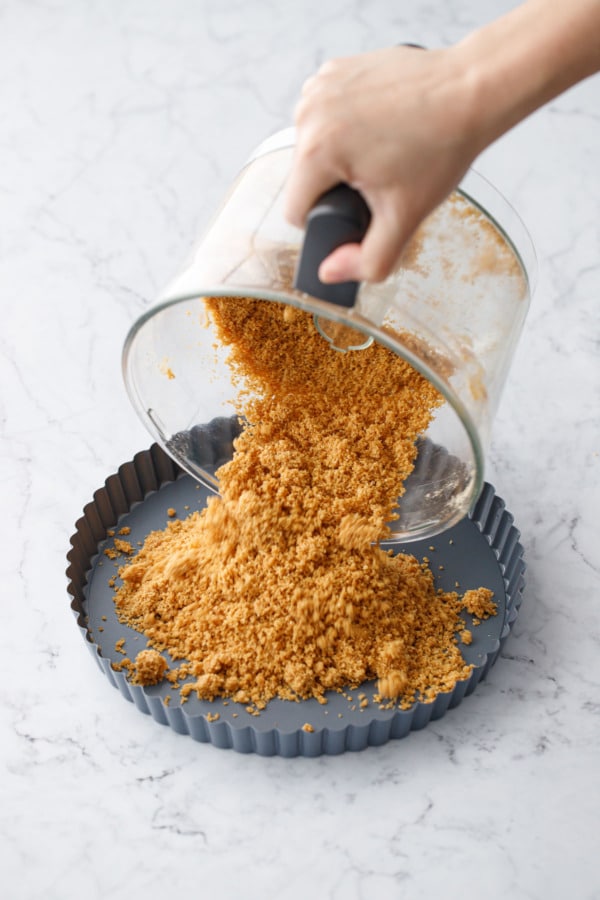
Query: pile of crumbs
[[149, 666], [279, 586]]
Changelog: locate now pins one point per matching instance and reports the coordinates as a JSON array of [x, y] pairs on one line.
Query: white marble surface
[[121, 125]]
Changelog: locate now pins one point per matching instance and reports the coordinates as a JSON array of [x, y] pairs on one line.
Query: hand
[[393, 124], [402, 125]]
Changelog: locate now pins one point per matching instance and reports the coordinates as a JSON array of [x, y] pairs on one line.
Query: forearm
[[403, 126], [526, 58]]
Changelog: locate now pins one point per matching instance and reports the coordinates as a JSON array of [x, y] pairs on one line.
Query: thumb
[[376, 257], [341, 265]]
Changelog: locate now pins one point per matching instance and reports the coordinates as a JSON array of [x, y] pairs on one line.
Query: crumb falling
[[279, 586]]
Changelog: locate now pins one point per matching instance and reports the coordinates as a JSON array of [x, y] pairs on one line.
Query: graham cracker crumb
[[278, 587], [307, 727], [123, 546], [150, 667], [479, 603]]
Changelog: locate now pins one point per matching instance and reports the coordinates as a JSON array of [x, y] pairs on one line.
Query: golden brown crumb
[[124, 666], [166, 369], [150, 667], [171, 512], [466, 636], [213, 717], [125, 530], [123, 547], [479, 603], [120, 645], [307, 727], [278, 587]]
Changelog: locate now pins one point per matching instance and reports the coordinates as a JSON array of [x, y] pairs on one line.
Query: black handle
[[340, 216]]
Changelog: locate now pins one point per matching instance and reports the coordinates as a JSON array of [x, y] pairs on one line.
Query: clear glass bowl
[[454, 309]]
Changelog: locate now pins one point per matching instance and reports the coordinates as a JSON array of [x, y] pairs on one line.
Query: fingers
[[308, 179], [315, 169], [316, 166], [384, 241]]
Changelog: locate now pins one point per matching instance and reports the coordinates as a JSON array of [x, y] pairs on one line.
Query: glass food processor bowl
[[454, 309]]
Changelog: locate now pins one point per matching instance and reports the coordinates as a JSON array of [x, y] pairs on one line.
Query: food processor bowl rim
[[295, 298]]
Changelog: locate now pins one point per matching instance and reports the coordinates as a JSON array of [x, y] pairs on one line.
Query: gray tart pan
[[482, 550]]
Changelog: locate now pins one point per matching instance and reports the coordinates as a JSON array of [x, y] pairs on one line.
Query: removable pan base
[[481, 551]]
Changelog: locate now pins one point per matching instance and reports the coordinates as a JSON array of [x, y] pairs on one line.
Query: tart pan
[[483, 550]]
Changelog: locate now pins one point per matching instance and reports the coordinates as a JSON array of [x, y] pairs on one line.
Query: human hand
[[402, 125], [394, 125]]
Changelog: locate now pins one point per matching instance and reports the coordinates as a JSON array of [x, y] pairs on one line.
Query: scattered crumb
[[120, 645], [165, 369], [278, 586], [307, 727], [213, 717], [123, 546], [150, 667], [479, 603]]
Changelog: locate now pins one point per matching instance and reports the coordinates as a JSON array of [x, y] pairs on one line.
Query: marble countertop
[[122, 125]]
